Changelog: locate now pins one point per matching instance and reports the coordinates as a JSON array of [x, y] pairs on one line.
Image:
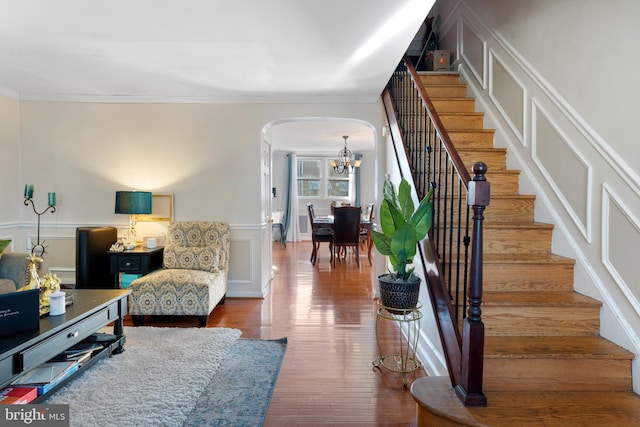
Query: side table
[[403, 359], [139, 260]]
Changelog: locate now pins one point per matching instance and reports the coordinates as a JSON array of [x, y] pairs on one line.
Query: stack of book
[[46, 376], [17, 396]]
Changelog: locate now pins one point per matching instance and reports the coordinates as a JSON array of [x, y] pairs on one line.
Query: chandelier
[[345, 163]]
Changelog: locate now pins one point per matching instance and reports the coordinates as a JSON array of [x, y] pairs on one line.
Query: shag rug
[[175, 377]]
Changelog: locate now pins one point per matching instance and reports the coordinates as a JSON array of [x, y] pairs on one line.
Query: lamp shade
[[133, 202]]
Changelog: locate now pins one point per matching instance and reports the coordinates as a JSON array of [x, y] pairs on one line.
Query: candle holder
[[39, 249]]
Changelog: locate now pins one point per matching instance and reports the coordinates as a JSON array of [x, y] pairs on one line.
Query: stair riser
[[496, 160], [464, 121], [446, 91], [522, 320], [454, 105], [502, 209], [439, 79], [502, 183], [573, 374], [471, 139], [527, 277], [507, 240]]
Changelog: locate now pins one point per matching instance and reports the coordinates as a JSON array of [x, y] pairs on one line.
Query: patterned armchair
[[193, 278]]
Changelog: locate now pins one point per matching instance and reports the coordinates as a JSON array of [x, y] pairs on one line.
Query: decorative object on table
[[402, 229], [133, 203], [346, 163], [34, 278], [48, 286], [57, 303], [117, 247], [39, 248]]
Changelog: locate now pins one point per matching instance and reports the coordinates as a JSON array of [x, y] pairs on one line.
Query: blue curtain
[[357, 181], [287, 209]]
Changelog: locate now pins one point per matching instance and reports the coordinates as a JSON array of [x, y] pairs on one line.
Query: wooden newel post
[[470, 391]]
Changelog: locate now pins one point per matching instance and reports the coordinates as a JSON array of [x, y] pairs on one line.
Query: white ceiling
[[204, 50]]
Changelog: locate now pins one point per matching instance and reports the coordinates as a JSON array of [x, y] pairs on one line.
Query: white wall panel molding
[[245, 269], [620, 224], [567, 171], [509, 95], [473, 50]]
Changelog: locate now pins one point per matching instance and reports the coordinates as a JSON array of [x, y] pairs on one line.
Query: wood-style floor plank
[[328, 317]]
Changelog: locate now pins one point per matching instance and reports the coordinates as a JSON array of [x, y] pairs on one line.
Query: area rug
[[248, 377], [161, 378]]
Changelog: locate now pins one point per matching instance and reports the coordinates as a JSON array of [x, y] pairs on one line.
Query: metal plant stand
[[404, 360]]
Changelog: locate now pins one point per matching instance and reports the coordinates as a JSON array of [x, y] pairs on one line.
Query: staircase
[[545, 363]]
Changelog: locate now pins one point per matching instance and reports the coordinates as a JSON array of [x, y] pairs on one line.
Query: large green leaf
[[422, 218], [405, 200], [389, 192], [387, 224], [382, 243], [403, 243]]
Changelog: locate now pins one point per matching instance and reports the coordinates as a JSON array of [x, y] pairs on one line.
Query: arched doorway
[[321, 137]]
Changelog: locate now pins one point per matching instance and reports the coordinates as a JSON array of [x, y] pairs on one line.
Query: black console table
[[136, 261], [92, 309]]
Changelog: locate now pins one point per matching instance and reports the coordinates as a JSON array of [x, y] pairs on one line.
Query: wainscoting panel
[[241, 250], [565, 170], [621, 225], [509, 95], [473, 51]]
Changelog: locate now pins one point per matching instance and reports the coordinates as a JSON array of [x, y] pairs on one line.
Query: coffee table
[[92, 309]]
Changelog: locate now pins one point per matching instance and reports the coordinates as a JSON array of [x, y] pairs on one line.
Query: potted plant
[[402, 229]]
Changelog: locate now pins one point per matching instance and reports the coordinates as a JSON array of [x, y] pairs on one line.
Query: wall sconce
[[38, 249], [132, 203]]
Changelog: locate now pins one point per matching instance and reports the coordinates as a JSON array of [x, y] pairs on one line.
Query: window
[[316, 179], [309, 177]]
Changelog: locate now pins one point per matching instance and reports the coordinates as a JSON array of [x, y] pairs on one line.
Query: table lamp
[[132, 203]]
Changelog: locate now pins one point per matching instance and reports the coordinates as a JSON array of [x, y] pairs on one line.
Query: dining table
[[327, 222]]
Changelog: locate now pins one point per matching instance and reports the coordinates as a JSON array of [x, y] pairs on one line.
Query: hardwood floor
[[328, 317]]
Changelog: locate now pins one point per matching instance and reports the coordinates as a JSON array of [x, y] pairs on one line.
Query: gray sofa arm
[[15, 266]]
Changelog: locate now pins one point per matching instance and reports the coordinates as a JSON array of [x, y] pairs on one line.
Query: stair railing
[[452, 254]]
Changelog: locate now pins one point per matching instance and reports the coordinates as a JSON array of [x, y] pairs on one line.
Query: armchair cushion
[[197, 246], [177, 292], [14, 267]]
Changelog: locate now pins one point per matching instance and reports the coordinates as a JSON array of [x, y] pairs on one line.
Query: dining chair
[[318, 234], [365, 232], [365, 236], [346, 231]]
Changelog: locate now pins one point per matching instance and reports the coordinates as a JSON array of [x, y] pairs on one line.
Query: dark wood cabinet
[[136, 261]]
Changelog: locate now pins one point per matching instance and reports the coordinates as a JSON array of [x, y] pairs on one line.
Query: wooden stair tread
[[529, 258], [470, 113], [533, 298], [523, 409], [499, 224], [517, 225], [553, 347]]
